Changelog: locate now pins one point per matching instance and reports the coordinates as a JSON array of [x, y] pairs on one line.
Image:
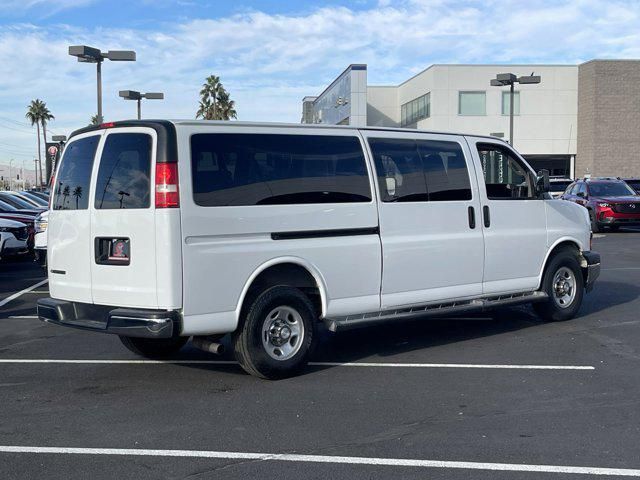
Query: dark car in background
[[610, 201], [19, 203]]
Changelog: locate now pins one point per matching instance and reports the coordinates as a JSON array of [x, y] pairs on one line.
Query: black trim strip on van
[[343, 232]]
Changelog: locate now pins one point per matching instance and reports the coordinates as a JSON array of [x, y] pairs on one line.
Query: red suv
[[611, 202]]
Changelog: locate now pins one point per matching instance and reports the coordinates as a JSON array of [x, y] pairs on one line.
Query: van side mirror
[[542, 182]]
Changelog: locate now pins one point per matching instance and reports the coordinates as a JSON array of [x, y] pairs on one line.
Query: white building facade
[[459, 98]]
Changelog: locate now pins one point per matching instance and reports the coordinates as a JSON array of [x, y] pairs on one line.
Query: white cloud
[[270, 61]]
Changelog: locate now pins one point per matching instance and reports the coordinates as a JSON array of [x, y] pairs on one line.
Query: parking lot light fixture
[[133, 95], [510, 79], [87, 54]]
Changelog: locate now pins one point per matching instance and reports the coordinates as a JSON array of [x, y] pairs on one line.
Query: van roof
[[155, 123]]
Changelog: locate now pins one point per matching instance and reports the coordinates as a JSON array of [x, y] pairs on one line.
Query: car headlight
[[41, 226], [604, 204]]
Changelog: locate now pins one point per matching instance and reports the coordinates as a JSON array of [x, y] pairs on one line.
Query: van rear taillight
[[167, 192]]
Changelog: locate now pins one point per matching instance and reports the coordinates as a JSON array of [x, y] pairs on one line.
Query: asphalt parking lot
[[504, 396]]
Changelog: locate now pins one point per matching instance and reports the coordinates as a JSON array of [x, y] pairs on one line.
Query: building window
[[506, 103], [415, 110], [472, 103]]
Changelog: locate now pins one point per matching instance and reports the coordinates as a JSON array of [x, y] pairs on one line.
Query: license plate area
[[113, 251]]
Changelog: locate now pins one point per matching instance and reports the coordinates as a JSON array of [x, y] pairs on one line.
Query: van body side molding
[[342, 232]]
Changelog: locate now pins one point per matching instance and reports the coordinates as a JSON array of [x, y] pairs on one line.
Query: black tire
[[250, 350], [154, 348], [551, 309], [595, 228]]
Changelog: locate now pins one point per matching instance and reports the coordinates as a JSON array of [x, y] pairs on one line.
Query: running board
[[437, 309]]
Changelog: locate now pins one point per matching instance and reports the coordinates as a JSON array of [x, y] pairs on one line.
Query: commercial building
[[581, 119]]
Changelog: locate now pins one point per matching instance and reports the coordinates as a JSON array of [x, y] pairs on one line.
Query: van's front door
[[123, 253], [432, 242], [69, 231], [514, 219]]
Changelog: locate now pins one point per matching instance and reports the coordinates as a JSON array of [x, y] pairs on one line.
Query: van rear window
[[74, 175], [123, 176], [268, 169]]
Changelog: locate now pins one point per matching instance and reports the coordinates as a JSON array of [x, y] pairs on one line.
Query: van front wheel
[[563, 283], [278, 333], [154, 347]]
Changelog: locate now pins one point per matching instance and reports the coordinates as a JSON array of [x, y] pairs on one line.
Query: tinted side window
[[74, 175], [123, 175], [264, 169], [505, 176], [419, 171], [399, 169], [445, 171]]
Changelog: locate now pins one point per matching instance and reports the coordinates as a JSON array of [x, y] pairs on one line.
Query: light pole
[[504, 79], [10, 181], [94, 55], [133, 95]]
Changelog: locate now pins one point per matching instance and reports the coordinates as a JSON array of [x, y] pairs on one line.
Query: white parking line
[[22, 316], [317, 364], [286, 457], [21, 292]]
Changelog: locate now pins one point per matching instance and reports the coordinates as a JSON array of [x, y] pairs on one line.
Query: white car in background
[[13, 238], [40, 240]]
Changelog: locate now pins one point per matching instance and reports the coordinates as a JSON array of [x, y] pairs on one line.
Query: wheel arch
[[302, 270], [561, 243]]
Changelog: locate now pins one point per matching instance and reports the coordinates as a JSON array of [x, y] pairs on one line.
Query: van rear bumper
[[130, 322]]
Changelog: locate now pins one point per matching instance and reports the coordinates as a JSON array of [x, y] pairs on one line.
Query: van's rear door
[[123, 221], [69, 231]]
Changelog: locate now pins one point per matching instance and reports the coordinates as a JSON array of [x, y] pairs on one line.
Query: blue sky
[[271, 53]]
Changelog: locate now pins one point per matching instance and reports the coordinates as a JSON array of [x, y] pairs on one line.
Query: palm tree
[[77, 192], [94, 120], [215, 102], [34, 112], [46, 116], [66, 191]]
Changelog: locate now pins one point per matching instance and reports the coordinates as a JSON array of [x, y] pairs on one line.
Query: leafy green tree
[[215, 101], [94, 120]]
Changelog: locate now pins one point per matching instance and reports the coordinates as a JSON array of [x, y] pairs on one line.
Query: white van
[[160, 231]]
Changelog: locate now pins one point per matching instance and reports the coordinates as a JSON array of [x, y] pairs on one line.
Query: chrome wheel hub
[[282, 333], [564, 287]]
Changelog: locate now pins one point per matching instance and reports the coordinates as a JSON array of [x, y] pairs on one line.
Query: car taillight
[[167, 193]]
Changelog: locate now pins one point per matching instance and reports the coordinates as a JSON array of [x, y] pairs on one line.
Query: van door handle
[[487, 216], [472, 217]]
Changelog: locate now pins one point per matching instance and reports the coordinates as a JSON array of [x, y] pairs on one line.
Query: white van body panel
[[224, 247], [430, 252], [133, 285], [70, 251]]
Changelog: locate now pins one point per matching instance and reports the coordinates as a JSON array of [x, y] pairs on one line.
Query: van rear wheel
[[154, 348], [563, 283], [278, 333]]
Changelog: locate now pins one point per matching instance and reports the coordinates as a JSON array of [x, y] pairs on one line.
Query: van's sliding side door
[[432, 241]]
